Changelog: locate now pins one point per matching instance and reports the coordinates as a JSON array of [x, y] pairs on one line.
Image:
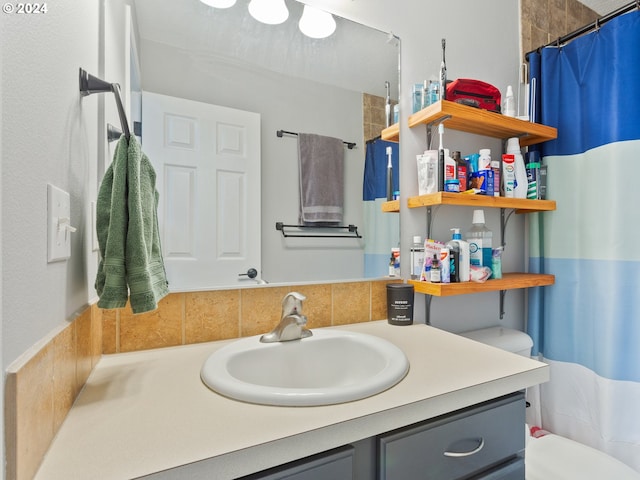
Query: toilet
[[552, 456]]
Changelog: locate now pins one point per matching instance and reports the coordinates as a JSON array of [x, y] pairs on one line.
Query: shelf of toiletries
[[482, 122], [509, 281], [521, 205], [392, 133]]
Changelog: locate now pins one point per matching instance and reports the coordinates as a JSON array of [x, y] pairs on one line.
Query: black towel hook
[[90, 84]]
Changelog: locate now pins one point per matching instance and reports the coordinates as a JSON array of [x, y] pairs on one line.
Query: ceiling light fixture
[[316, 23], [272, 12], [219, 3]]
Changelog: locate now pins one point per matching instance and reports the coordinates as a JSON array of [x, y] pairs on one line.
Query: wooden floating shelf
[[521, 205], [509, 281], [482, 122], [392, 206], [392, 133]]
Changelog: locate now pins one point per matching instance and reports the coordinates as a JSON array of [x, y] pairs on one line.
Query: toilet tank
[[507, 339]]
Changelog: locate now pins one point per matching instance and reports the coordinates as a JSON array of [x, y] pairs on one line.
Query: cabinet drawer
[[456, 445], [335, 465]]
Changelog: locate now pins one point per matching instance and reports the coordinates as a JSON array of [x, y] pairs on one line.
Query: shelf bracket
[[504, 219], [429, 221], [427, 309], [432, 124]]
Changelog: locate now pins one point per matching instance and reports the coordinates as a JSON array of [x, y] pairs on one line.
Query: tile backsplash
[[41, 387], [195, 317]]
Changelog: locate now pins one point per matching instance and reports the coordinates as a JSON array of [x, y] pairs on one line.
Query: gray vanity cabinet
[[485, 441]]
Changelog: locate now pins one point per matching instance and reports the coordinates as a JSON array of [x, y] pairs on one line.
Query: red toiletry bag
[[474, 93]]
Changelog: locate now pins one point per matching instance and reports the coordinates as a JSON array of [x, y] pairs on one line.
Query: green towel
[[128, 236]]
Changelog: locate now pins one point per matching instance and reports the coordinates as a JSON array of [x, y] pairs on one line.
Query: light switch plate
[[58, 217]]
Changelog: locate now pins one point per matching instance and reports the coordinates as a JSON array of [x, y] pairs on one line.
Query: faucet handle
[[292, 304]]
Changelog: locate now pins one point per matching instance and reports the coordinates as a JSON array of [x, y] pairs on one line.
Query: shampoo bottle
[[521, 184], [459, 271]]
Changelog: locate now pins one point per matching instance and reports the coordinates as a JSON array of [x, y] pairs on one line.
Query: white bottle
[[480, 241], [417, 257], [509, 104], [521, 183], [460, 249], [508, 174]]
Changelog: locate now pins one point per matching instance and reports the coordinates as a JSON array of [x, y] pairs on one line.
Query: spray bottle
[[521, 183]]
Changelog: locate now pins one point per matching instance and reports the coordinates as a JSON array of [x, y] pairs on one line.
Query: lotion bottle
[[521, 183]]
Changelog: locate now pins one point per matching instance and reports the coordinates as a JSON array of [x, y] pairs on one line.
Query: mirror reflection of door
[[207, 161]]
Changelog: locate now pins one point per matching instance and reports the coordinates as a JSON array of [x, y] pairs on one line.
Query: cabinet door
[[335, 465], [455, 446]]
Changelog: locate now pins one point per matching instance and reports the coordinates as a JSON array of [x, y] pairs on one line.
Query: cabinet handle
[[466, 454]]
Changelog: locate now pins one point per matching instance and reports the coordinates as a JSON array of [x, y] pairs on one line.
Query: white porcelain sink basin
[[332, 366]]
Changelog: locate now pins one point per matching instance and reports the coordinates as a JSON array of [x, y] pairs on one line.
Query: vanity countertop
[[146, 412]]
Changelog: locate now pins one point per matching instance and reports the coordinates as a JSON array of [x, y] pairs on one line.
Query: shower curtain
[[381, 230], [587, 325]]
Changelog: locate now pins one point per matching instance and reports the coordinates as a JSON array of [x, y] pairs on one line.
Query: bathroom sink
[[332, 366]]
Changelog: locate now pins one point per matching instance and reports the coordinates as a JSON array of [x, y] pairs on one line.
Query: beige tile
[[558, 20], [83, 347], [65, 383], [96, 334], [538, 37], [110, 334], [540, 14], [29, 414], [379, 298], [351, 302], [260, 309], [212, 316], [159, 328], [317, 306]]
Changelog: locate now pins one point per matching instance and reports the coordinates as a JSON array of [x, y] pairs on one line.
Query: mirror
[[333, 86]]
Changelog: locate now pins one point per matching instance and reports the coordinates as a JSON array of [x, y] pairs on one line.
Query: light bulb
[[316, 23], [272, 12], [219, 3]]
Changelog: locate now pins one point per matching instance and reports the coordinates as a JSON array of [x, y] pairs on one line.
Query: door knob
[[251, 273]]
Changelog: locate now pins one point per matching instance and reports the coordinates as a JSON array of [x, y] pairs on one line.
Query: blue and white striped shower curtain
[[381, 230], [587, 325]]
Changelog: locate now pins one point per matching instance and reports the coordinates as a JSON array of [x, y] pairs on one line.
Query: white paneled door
[[207, 161]]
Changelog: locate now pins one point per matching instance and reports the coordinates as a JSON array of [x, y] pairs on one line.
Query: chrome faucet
[[292, 322]]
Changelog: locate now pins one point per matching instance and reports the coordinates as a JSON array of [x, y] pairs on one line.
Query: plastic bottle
[[395, 253], [521, 184], [509, 104], [461, 170], [434, 273], [480, 238], [417, 257], [459, 271], [508, 174], [445, 265]]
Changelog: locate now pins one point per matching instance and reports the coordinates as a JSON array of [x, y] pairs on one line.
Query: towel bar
[[351, 231], [90, 84], [279, 133]]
